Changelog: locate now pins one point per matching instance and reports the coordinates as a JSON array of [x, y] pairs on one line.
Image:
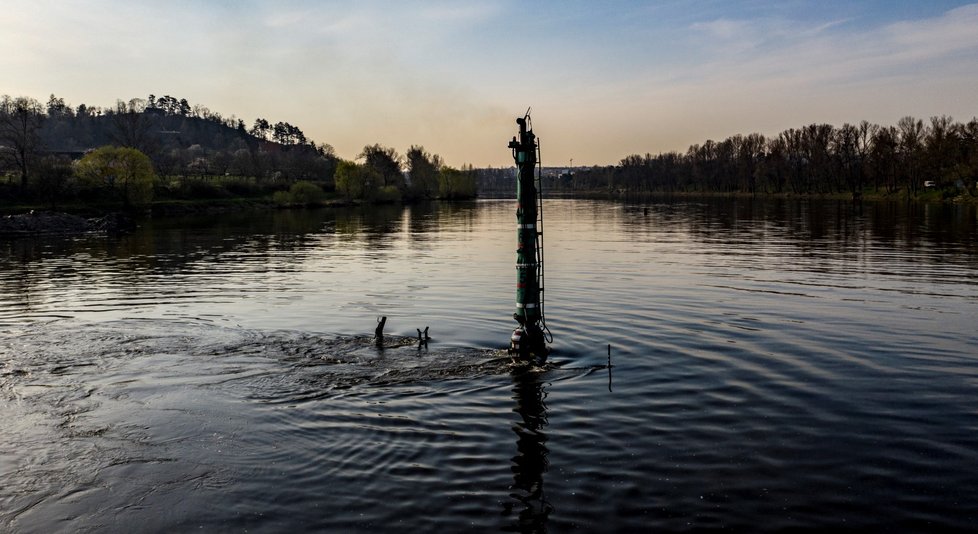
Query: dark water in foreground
[[775, 365]]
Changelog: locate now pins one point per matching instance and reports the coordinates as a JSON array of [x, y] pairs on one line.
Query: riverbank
[[200, 206], [165, 207], [925, 196], [72, 219], [54, 223], [28, 219]]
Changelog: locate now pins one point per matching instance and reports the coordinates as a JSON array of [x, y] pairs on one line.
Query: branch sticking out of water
[[379, 331]]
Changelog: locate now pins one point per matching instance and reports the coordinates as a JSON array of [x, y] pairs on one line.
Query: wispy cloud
[[803, 52], [457, 13], [630, 77]]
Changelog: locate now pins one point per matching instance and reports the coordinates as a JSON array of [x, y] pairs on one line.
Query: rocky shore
[[51, 223]]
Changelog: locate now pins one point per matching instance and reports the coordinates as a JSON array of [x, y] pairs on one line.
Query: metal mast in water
[[528, 339]]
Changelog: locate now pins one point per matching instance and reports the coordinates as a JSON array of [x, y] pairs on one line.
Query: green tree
[[306, 193], [260, 129], [386, 162], [302, 193], [357, 182], [455, 183], [57, 109], [123, 170], [423, 169]]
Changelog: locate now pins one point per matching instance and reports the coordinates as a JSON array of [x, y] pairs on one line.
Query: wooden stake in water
[[379, 331]]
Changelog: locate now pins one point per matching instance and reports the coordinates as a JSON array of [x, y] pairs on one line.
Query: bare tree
[[132, 126], [883, 157], [864, 146], [20, 122], [750, 153], [844, 144], [942, 143], [912, 135], [815, 143], [794, 157]]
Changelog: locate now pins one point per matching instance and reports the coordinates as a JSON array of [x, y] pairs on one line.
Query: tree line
[[815, 159], [53, 153]]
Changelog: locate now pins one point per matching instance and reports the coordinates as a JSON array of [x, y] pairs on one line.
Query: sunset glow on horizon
[[604, 80]]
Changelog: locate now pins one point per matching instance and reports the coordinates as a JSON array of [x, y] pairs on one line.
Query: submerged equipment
[[529, 339]]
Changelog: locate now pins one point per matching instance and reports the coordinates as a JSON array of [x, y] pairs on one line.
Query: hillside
[[182, 139], [60, 154]]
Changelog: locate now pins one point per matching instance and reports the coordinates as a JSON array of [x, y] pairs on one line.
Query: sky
[[604, 79]]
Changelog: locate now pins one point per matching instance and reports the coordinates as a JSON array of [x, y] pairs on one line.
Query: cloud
[[803, 52], [452, 75], [456, 13], [955, 31], [771, 73], [724, 29]]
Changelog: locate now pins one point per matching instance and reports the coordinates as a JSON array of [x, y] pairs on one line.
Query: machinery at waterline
[[531, 337]]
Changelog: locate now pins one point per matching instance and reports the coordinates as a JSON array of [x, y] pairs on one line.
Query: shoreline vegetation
[[166, 156], [912, 161], [162, 151]]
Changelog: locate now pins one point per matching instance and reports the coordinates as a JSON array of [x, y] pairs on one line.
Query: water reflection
[[813, 224], [17, 284], [776, 343], [374, 225], [530, 463]]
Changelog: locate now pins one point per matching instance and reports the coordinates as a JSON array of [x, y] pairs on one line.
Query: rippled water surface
[[773, 365]]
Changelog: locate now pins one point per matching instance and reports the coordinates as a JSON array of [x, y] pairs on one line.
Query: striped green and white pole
[[528, 338]]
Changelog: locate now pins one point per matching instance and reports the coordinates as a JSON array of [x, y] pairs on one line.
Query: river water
[[773, 365]]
